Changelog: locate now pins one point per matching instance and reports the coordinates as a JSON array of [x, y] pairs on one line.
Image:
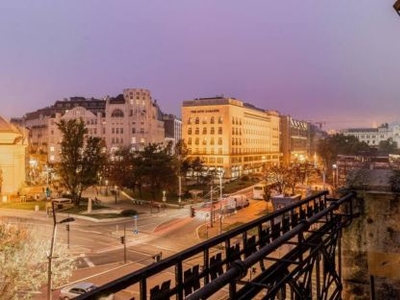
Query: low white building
[[373, 136], [13, 143]]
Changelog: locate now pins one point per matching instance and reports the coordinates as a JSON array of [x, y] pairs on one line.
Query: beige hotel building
[[228, 134]]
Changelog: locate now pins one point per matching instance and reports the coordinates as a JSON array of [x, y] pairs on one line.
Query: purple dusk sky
[[331, 61]]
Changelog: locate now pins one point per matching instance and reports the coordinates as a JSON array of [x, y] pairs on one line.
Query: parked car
[[73, 291]]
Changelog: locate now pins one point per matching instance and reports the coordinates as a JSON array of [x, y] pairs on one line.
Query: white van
[[235, 202]]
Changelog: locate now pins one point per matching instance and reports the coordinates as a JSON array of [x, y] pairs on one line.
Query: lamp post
[[179, 190], [334, 175], [52, 245], [164, 199], [220, 174]]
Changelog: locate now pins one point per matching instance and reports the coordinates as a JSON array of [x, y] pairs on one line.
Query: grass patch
[[103, 216], [70, 209], [232, 226]]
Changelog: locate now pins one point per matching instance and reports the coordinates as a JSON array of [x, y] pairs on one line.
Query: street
[[101, 257]]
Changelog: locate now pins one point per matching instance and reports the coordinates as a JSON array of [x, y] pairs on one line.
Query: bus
[[259, 191]]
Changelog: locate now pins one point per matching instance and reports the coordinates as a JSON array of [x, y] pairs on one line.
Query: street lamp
[[164, 199], [52, 245], [180, 190], [334, 175]]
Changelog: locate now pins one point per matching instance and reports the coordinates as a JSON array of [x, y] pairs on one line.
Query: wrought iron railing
[[293, 253]]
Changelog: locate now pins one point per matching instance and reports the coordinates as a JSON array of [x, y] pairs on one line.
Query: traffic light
[[192, 212], [122, 240], [67, 227]]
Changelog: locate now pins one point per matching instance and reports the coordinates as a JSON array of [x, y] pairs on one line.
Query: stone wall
[[371, 246]]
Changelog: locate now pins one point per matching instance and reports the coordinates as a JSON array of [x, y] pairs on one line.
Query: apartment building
[[132, 119], [230, 135]]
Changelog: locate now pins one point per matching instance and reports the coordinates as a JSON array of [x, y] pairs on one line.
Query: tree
[[388, 146], [153, 166], [81, 157], [198, 168], [121, 168], [333, 145], [278, 175], [24, 263]]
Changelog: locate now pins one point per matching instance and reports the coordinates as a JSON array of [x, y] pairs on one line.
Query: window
[[212, 120], [190, 130], [197, 131], [212, 130], [219, 130], [204, 130], [197, 120]]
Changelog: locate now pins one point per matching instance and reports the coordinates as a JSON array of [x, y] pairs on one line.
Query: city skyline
[[332, 63]]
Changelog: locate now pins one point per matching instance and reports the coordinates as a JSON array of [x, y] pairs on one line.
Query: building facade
[[230, 135], [130, 120], [373, 136], [173, 129], [13, 144], [295, 140]]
